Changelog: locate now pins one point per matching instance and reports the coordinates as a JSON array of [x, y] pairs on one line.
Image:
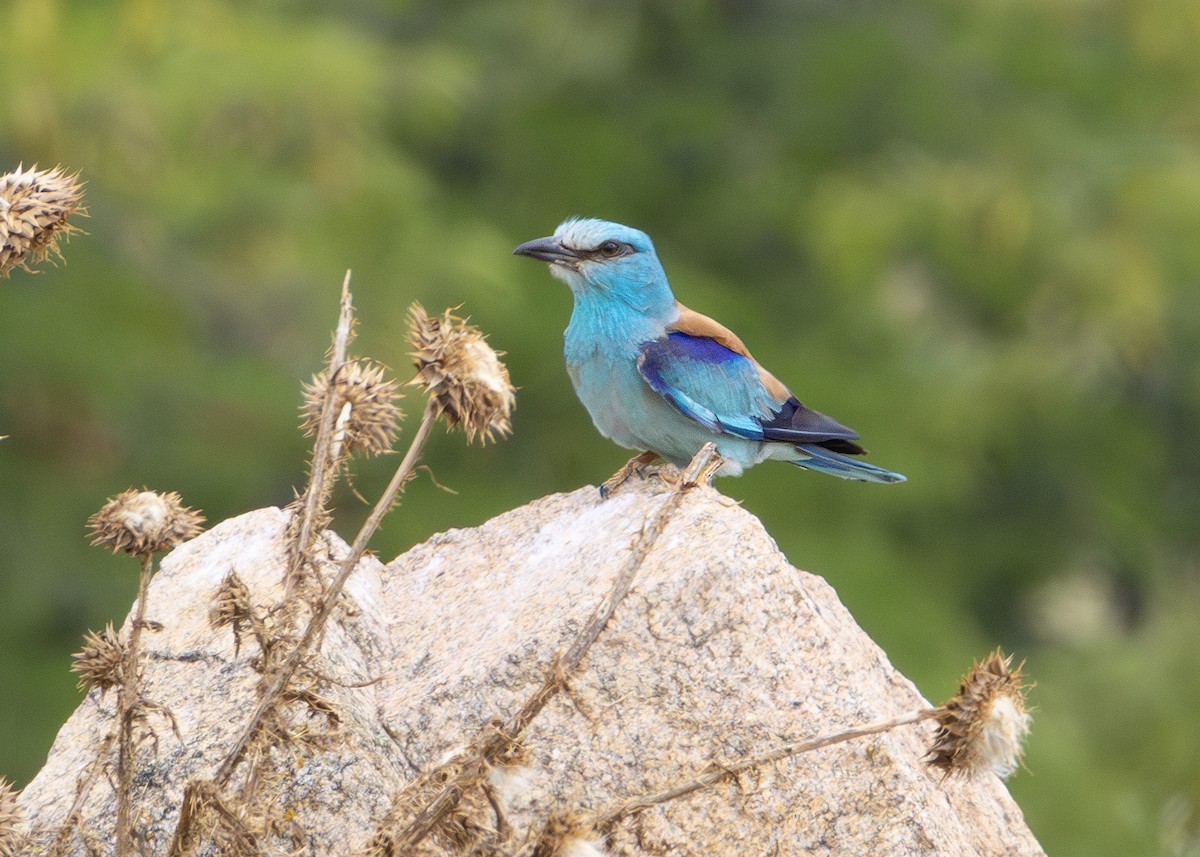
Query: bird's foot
[[635, 466], [700, 470]]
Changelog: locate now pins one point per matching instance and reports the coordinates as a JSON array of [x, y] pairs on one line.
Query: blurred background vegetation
[[970, 230]]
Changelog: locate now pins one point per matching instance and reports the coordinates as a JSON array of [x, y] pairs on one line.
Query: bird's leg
[[700, 470], [634, 466], [703, 467]]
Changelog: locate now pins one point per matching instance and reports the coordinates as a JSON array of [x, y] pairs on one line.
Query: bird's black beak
[[548, 250]]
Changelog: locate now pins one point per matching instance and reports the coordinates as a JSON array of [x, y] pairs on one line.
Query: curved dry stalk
[[498, 739], [603, 822], [316, 623]]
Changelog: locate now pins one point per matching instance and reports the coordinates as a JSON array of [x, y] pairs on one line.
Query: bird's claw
[[702, 468], [700, 471], [635, 466]]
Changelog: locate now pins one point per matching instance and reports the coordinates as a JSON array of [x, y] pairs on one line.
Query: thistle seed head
[[232, 603], [981, 728], [461, 373], [569, 835], [101, 662], [372, 420], [143, 522], [35, 208], [12, 840]]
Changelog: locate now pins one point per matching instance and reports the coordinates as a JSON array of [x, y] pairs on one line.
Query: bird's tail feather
[[834, 464]]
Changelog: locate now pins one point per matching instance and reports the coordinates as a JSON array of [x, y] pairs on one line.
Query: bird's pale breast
[[625, 410]]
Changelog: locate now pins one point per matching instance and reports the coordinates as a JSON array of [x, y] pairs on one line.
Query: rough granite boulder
[[722, 649]]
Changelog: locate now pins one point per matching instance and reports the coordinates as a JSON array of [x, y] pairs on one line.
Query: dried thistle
[[35, 208], [982, 727], [569, 835], [461, 373], [465, 829], [11, 838], [232, 603], [101, 661], [231, 606], [277, 680], [372, 421], [509, 772], [143, 522], [140, 523]]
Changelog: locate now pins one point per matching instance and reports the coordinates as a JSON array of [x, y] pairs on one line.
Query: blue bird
[[659, 377]]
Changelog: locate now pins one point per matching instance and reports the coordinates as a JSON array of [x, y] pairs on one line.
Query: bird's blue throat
[[600, 324]]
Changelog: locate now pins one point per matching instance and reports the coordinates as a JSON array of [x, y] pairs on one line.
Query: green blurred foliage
[[967, 229]]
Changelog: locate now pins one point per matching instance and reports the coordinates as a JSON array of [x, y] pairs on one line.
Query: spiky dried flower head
[[232, 603], [981, 728], [569, 835], [35, 211], [144, 522], [12, 840], [100, 663], [461, 373], [364, 405]]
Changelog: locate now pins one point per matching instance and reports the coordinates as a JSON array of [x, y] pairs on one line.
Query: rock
[[721, 650]]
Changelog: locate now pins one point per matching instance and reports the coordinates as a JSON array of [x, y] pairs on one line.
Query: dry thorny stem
[[141, 524], [276, 680], [128, 704], [494, 742], [325, 452], [281, 676], [561, 828], [603, 822], [980, 729], [131, 707]]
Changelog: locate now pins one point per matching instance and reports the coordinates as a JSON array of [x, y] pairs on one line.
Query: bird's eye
[[610, 249]]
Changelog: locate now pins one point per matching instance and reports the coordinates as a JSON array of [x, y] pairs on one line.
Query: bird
[[659, 377]]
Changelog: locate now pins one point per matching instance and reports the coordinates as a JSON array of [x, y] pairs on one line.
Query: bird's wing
[[706, 372]]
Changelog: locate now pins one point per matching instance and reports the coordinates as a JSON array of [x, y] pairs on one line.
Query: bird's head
[[595, 257]]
